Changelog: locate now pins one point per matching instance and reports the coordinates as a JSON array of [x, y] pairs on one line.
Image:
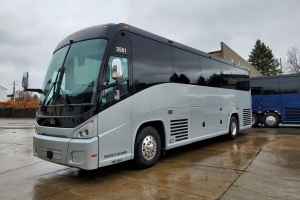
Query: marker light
[[170, 112], [126, 27], [105, 26]]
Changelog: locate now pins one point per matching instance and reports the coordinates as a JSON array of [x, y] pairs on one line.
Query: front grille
[[247, 117], [180, 129]]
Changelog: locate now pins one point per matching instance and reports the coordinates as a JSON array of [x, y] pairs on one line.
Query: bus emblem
[[52, 121]]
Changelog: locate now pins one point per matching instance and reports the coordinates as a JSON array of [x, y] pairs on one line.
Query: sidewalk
[[17, 123]]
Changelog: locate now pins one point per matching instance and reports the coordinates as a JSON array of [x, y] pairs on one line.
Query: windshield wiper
[[66, 100], [43, 107]]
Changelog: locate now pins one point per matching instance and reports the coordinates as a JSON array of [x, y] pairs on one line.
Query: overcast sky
[[31, 29]]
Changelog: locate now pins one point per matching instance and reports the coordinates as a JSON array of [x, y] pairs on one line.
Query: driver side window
[[108, 94]]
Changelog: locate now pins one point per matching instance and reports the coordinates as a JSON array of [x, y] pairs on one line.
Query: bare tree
[[292, 60], [19, 95], [27, 96], [24, 96]]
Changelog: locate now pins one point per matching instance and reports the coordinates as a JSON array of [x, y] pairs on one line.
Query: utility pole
[[280, 66], [14, 91]]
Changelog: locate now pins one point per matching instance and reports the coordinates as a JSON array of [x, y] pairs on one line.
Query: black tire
[[255, 120], [271, 120], [147, 139], [233, 128]]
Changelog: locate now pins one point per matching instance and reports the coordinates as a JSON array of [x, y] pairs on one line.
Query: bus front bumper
[[80, 153]]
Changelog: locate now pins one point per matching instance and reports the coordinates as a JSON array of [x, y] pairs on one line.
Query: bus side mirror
[[117, 74], [25, 80], [116, 70]]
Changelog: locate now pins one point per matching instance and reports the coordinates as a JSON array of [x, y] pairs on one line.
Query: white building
[[3, 94]]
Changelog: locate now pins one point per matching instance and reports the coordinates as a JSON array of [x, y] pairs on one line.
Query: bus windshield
[[75, 69]]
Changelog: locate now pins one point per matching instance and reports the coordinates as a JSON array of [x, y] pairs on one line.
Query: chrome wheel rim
[[149, 147], [233, 128], [253, 120], [271, 120]]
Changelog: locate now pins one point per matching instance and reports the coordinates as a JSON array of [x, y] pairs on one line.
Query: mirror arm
[[33, 90], [117, 91]]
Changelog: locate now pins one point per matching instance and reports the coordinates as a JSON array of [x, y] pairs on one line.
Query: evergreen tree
[[263, 60]]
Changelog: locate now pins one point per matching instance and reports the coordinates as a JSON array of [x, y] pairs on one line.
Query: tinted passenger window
[[186, 67], [269, 85], [152, 62], [256, 91], [242, 79], [289, 85], [228, 76], [210, 72], [234, 77]]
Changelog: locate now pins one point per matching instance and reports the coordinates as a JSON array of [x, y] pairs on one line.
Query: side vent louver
[[180, 129], [292, 114], [247, 117]]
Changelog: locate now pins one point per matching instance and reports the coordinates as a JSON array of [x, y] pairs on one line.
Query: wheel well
[[237, 118], [159, 126], [273, 111]]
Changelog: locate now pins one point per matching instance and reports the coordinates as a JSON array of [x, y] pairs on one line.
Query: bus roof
[[275, 76], [107, 31]]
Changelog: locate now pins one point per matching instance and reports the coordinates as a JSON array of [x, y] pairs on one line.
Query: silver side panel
[[198, 112], [115, 134]]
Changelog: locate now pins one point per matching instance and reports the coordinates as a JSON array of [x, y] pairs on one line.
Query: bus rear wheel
[[270, 120], [147, 147], [233, 128]]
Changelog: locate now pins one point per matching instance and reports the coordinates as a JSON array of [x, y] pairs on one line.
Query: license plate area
[[51, 154]]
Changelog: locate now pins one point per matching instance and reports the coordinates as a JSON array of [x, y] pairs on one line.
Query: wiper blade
[[43, 107], [66, 100]]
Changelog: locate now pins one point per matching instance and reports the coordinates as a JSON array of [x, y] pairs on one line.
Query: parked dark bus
[[275, 100]]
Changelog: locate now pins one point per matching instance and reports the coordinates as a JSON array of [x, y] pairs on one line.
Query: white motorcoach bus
[[115, 92]]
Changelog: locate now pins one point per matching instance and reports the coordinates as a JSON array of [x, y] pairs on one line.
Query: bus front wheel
[[147, 147], [270, 120], [233, 128]]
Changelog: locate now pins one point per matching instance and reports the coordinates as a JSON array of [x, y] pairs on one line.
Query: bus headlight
[[85, 131]]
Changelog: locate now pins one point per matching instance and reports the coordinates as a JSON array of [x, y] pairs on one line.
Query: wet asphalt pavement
[[16, 123], [261, 163]]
